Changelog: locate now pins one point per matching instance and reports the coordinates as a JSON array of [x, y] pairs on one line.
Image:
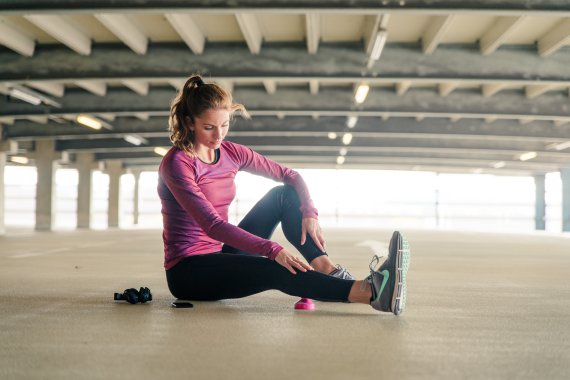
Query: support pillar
[[84, 161], [540, 202], [565, 176], [2, 194], [137, 175], [6, 146], [115, 170], [45, 157]]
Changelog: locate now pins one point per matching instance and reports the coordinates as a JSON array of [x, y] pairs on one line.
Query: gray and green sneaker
[[342, 273], [388, 283]]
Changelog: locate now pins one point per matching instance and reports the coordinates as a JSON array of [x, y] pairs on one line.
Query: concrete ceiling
[[460, 86]]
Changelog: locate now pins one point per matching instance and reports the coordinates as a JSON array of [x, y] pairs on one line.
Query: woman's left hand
[[311, 225]]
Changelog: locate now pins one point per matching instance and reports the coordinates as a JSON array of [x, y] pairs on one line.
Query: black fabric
[[234, 274], [219, 276]]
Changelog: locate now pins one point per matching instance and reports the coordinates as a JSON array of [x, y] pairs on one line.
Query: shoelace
[[375, 261]]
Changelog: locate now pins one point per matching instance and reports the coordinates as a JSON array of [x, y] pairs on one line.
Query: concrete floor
[[479, 306]]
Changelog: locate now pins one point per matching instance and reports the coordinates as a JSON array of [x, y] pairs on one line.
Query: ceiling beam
[[313, 32], [57, 27], [402, 87], [492, 7], [125, 30], [434, 33], [498, 33], [554, 39], [234, 62], [95, 87], [52, 88], [14, 39], [251, 31], [140, 87], [188, 30], [446, 88], [298, 101], [532, 91], [368, 127], [490, 89]]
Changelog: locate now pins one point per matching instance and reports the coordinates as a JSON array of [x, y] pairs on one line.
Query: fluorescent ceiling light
[[361, 93], [498, 165], [89, 121], [527, 156], [332, 135], [340, 160], [25, 96], [19, 160], [135, 140], [347, 138], [343, 151], [160, 150], [379, 42], [351, 121], [562, 146]]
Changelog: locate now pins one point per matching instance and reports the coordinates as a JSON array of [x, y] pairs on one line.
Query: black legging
[[234, 274]]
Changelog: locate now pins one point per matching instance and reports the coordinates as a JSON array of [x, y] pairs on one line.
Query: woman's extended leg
[[281, 205], [221, 276]]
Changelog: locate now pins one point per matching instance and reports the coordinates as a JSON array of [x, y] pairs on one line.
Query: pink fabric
[[195, 198]]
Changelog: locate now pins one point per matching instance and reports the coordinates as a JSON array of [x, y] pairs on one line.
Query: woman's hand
[[289, 261], [311, 225]]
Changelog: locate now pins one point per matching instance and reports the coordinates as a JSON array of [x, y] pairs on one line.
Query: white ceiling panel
[[532, 28], [467, 28], [342, 27], [407, 28], [282, 27], [219, 27], [155, 26], [30, 29]]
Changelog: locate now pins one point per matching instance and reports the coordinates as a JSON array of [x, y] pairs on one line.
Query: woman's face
[[210, 128]]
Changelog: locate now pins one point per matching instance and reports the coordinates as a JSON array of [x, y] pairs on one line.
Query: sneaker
[[388, 283], [342, 273]]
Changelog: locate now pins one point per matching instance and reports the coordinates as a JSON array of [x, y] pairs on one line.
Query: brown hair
[[192, 100]]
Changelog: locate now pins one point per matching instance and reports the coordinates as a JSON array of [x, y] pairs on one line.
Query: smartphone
[[181, 304]]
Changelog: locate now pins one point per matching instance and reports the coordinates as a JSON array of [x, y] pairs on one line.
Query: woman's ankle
[[323, 264], [360, 292]]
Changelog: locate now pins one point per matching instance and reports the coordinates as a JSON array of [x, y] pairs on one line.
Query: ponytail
[[192, 100]]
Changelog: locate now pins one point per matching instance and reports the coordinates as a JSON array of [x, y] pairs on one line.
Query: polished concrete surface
[[479, 306]]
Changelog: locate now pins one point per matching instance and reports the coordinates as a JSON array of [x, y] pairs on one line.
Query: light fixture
[[562, 146], [361, 93], [347, 138], [160, 151], [340, 160], [343, 151], [351, 121], [332, 135], [30, 96], [527, 156], [378, 46], [498, 165], [20, 160], [135, 139], [25, 96], [89, 121]]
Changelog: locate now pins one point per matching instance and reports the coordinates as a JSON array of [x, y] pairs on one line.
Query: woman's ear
[[189, 123]]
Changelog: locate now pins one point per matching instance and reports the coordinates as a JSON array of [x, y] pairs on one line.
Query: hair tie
[[199, 82]]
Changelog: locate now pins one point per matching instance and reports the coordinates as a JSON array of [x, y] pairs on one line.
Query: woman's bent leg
[[221, 276], [280, 205]]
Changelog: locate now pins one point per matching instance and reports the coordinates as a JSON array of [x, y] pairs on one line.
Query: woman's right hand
[[290, 261]]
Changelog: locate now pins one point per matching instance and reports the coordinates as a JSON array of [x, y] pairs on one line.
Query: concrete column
[[6, 146], [137, 175], [115, 170], [84, 162], [540, 202], [2, 196], [565, 175], [45, 157]]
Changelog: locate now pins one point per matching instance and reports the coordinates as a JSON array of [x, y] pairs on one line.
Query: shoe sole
[[403, 255]]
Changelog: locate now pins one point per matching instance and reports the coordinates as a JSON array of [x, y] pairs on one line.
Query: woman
[[196, 187]]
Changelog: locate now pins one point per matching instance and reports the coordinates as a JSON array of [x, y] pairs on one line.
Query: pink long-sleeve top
[[196, 196]]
